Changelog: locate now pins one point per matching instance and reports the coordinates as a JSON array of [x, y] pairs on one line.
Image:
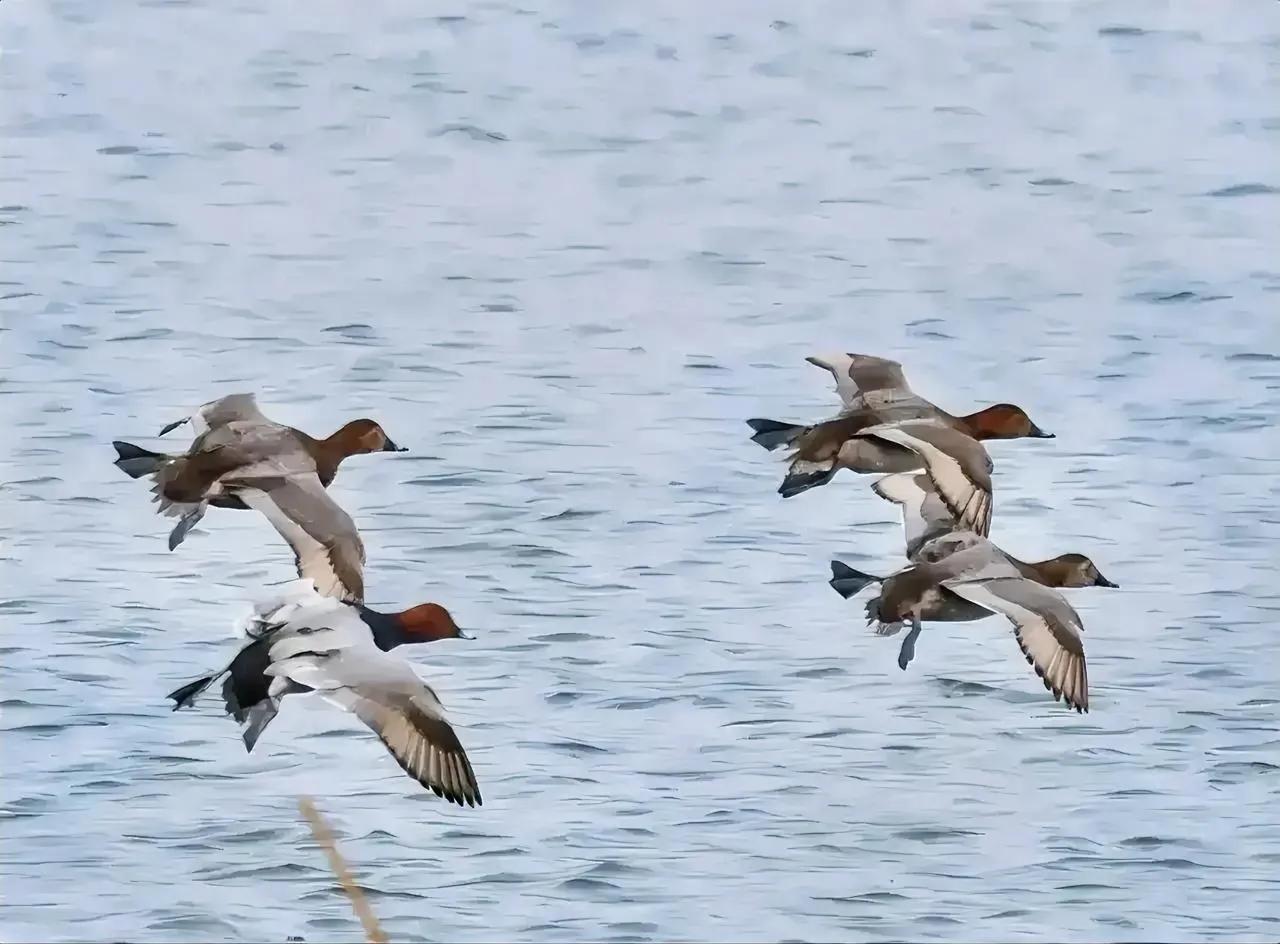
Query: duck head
[[1074, 570], [428, 622], [361, 436], [1003, 421]]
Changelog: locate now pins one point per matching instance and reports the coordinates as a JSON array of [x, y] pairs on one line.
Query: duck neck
[[385, 628], [1051, 573], [978, 425], [330, 452]]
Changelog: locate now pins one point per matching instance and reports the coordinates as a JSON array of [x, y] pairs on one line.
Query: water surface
[[561, 250]]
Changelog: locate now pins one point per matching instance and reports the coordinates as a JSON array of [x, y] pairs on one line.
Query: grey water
[[561, 250]]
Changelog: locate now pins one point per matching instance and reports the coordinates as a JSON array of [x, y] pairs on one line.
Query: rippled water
[[562, 251]]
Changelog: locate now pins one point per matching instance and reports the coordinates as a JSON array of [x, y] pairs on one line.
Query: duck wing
[[287, 601], [384, 692], [1046, 627], [957, 465], [236, 407], [417, 734], [326, 544], [864, 381], [925, 516]]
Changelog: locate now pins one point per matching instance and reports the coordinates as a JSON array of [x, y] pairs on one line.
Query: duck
[[873, 391], [962, 576], [302, 641], [234, 439]]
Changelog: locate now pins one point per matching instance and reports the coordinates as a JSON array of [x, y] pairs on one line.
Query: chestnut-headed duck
[[234, 438], [302, 641], [963, 576], [873, 391]]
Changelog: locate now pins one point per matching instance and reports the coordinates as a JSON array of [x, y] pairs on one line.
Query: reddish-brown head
[[427, 623], [361, 436], [1003, 421]]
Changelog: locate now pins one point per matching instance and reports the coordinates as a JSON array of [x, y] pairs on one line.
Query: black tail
[[805, 475], [774, 435], [136, 462], [848, 582], [185, 696]]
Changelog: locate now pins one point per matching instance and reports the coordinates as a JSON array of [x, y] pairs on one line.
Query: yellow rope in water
[[324, 836]]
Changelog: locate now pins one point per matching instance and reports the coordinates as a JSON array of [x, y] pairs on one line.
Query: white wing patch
[[328, 636], [289, 600]]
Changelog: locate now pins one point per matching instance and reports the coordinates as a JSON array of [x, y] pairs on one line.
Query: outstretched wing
[[925, 516], [326, 544], [384, 692], [1046, 627], [420, 738], [864, 381], [234, 408], [957, 465]]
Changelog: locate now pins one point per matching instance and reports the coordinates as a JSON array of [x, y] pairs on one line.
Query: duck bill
[[1038, 433], [463, 634], [1104, 582], [389, 446]]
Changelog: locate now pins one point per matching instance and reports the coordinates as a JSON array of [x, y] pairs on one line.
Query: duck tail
[[136, 462], [804, 475], [774, 435], [849, 582], [185, 696]]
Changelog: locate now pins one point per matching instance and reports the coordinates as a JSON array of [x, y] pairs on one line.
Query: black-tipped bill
[[389, 446], [1102, 581]]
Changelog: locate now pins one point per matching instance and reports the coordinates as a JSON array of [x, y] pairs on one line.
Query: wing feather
[[326, 544], [957, 465], [1046, 627]]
